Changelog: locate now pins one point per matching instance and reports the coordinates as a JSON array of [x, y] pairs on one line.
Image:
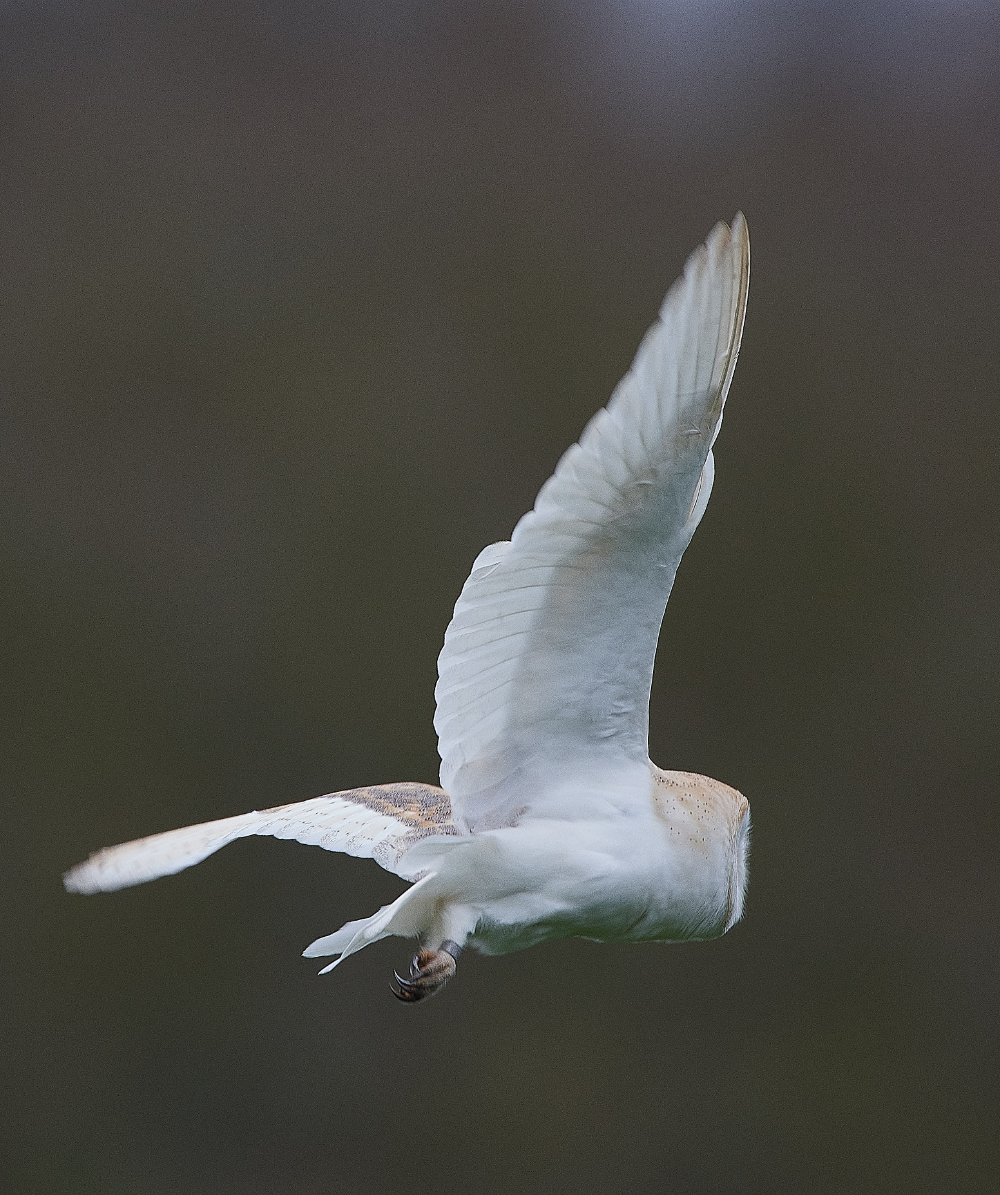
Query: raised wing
[[381, 823], [548, 661]]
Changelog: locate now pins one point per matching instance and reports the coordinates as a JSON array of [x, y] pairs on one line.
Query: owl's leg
[[430, 970]]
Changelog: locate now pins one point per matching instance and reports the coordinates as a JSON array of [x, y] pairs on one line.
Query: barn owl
[[551, 821]]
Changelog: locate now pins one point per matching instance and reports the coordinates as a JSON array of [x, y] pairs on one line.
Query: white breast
[[673, 873]]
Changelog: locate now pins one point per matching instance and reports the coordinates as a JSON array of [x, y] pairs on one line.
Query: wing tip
[[73, 882], [85, 879], [740, 234], [735, 238]]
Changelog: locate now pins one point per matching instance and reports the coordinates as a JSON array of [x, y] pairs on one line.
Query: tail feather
[[407, 917], [337, 942]]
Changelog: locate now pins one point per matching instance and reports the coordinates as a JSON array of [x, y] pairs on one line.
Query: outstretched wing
[[381, 823], [545, 674]]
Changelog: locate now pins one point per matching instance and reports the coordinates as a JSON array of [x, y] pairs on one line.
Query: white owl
[[551, 821]]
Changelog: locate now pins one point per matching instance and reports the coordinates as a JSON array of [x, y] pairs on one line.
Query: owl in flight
[[551, 821]]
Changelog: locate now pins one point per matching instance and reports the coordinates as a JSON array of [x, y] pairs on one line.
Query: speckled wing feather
[[545, 674], [381, 822]]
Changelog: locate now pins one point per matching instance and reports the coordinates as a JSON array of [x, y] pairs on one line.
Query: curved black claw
[[408, 992], [430, 970]]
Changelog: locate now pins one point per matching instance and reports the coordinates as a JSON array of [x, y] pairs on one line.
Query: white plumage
[[552, 820]]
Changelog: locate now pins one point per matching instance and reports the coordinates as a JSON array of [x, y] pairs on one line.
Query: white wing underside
[[545, 675], [383, 822]]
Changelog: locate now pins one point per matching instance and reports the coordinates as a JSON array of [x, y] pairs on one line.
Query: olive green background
[[302, 301]]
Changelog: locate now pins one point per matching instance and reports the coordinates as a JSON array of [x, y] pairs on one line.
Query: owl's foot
[[430, 970]]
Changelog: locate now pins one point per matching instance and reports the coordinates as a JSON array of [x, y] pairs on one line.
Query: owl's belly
[[637, 881]]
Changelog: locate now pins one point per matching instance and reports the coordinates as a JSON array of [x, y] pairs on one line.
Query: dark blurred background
[[302, 301]]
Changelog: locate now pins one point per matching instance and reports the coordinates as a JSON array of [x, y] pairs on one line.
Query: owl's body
[[673, 871]]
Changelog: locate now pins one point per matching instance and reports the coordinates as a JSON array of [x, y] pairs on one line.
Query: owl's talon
[[430, 970], [408, 993]]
